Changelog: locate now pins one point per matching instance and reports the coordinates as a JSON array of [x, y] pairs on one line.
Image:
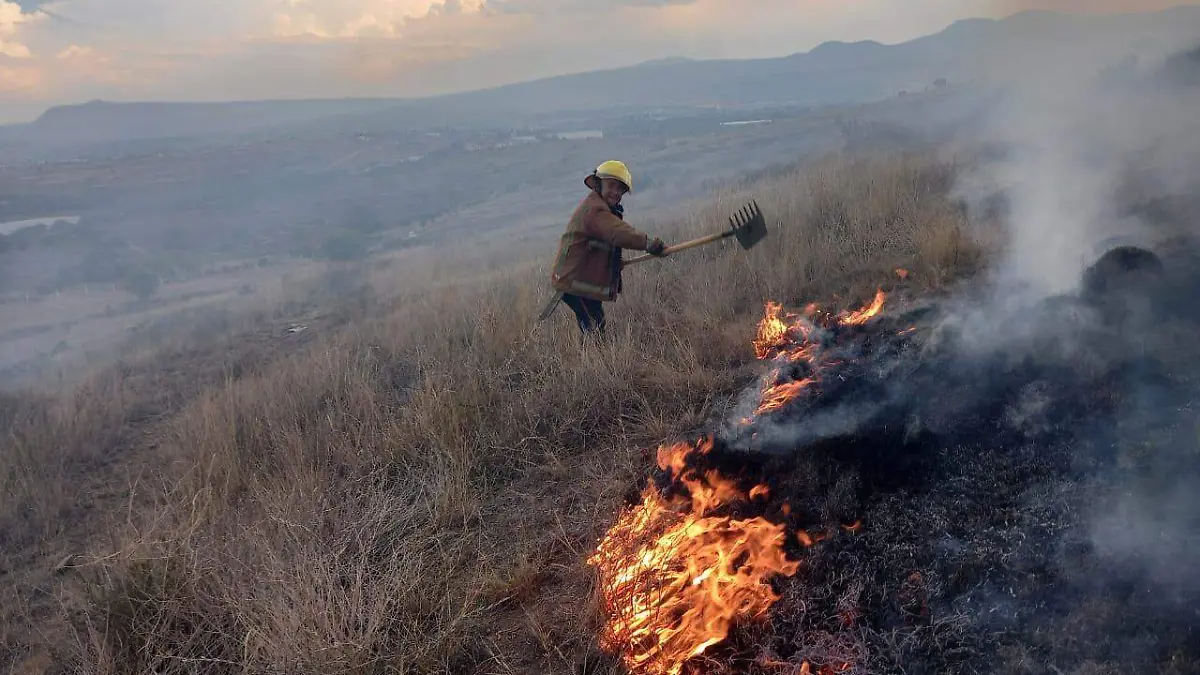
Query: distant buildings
[[525, 139], [14, 225], [579, 135]]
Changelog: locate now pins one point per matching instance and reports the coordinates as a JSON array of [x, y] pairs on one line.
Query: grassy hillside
[[416, 490]]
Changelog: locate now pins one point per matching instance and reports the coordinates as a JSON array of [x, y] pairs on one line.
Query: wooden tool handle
[[679, 247]]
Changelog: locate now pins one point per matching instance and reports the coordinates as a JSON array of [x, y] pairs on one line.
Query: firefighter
[[587, 269]]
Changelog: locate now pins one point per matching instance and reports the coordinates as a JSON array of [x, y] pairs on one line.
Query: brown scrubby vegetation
[[414, 486]]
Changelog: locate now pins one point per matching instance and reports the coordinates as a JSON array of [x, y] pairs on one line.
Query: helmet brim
[[592, 181]]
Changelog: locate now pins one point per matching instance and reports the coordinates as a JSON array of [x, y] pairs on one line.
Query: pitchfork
[[747, 225]]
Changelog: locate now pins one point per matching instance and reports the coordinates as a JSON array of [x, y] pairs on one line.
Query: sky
[[72, 51]]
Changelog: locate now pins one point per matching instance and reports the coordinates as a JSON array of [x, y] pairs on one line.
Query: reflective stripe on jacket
[[589, 252]]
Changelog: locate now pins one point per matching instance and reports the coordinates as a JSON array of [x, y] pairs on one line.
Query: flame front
[[795, 339], [865, 314], [674, 576], [675, 573], [772, 331], [779, 395]]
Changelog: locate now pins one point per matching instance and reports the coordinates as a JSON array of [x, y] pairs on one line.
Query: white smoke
[[1071, 138]]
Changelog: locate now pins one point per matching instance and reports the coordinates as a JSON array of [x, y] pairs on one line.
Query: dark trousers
[[589, 313]]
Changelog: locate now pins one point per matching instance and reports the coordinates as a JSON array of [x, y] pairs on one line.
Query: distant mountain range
[[834, 73]]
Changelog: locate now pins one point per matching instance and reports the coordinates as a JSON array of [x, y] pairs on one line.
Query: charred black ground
[[1027, 483]]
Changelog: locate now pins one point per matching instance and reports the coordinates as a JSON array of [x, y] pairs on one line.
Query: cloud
[[547, 7], [12, 16], [222, 49], [14, 50], [390, 18], [75, 52], [358, 18], [19, 78], [82, 65]]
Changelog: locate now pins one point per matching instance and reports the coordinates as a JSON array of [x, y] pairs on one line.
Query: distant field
[[54, 335], [508, 204]]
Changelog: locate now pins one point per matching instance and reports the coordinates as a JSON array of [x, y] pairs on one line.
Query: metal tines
[[749, 226], [744, 216]]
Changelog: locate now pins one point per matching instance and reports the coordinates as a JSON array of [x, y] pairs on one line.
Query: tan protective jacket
[[588, 263]]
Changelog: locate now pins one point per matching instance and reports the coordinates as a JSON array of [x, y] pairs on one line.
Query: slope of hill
[[153, 119], [105, 121]]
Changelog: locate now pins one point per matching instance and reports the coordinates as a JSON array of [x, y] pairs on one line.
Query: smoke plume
[[1024, 454], [1081, 150]]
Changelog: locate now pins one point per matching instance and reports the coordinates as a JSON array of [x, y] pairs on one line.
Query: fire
[[791, 338], [675, 576], [772, 331], [777, 396], [779, 331], [806, 669], [676, 572], [867, 313]]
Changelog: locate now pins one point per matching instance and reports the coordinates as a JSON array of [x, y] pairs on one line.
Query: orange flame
[[806, 352], [866, 314], [673, 574], [674, 577], [791, 342], [780, 395], [772, 331]]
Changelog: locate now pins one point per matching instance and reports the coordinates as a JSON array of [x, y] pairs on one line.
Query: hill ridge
[[831, 73]]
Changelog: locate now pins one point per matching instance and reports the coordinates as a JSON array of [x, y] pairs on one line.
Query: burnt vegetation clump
[[972, 489]]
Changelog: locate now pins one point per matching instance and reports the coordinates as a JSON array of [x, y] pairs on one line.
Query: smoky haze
[[124, 213], [1073, 143], [1004, 7], [1058, 395], [1042, 482], [1016, 456]]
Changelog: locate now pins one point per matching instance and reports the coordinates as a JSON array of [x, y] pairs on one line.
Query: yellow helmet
[[611, 169]]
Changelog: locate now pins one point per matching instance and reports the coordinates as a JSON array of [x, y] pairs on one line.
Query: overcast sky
[[65, 51]]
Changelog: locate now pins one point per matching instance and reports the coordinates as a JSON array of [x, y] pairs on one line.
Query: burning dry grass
[[419, 491], [677, 571], [676, 574], [974, 507]]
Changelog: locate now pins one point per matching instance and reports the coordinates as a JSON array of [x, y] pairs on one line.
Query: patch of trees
[[44, 258], [345, 245], [1184, 68], [25, 205]]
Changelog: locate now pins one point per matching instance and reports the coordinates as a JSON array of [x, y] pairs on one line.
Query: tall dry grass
[[417, 492]]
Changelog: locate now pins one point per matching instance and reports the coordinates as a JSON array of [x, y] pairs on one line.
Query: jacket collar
[[618, 210]]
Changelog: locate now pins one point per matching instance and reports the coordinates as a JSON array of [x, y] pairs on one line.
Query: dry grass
[[416, 491]]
